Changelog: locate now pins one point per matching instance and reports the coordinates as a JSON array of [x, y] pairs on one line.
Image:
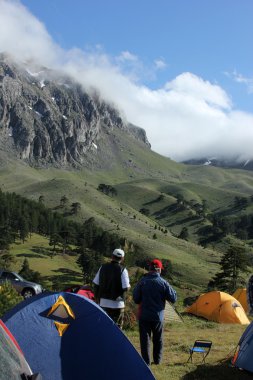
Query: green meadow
[[179, 337], [57, 270]]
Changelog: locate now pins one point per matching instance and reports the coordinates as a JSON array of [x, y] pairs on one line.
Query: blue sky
[[181, 69], [211, 39]]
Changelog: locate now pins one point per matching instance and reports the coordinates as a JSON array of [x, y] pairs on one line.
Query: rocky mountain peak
[[48, 118]]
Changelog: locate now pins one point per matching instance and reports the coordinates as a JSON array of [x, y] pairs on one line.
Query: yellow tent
[[219, 307], [241, 296]]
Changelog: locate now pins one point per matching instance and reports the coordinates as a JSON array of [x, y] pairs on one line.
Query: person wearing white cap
[[111, 282]]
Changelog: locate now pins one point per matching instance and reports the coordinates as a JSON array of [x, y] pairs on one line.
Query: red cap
[[156, 264]]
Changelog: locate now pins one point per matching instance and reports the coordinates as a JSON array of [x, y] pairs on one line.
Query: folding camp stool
[[202, 347]]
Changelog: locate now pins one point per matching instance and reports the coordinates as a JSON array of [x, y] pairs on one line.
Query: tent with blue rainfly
[[65, 336], [244, 354]]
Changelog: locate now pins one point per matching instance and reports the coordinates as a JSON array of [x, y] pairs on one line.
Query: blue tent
[[244, 354], [65, 336]]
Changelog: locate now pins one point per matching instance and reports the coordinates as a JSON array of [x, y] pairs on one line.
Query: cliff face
[[47, 118]]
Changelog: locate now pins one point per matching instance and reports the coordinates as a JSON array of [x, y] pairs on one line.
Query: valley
[[58, 140]]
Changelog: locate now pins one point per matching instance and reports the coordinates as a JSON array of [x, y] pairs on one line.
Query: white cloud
[[188, 84], [188, 117], [160, 64], [247, 81], [126, 56], [239, 78], [25, 36], [130, 65]]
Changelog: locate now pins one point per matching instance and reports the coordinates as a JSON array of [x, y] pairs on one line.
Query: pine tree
[[64, 201], [41, 199], [234, 263], [54, 241], [6, 236], [75, 207], [89, 262], [184, 234], [23, 229], [28, 273], [25, 270]]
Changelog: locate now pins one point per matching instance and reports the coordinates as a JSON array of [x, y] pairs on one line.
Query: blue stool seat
[[202, 347]]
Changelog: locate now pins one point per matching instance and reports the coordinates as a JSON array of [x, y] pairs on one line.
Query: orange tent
[[241, 296], [219, 307]]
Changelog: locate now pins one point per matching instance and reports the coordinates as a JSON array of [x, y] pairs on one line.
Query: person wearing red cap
[[151, 293]]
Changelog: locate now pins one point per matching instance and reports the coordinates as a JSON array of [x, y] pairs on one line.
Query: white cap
[[118, 252]]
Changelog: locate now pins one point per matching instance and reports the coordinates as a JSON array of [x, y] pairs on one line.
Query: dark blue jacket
[[151, 293]]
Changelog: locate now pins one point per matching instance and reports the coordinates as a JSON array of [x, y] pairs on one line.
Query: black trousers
[[117, 315], [151, 330]]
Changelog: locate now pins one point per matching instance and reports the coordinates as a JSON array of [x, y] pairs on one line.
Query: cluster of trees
[[107, 189], [94, 244], [197, 209], [222, 226], [144, 211], [20, 217], [242, 202], [75, 207]]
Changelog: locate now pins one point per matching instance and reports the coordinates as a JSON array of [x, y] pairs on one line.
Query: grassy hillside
[[178, 337], [143, 179], [54, 268], [159, 199]]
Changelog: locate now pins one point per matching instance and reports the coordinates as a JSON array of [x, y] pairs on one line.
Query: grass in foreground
[[178, 337]]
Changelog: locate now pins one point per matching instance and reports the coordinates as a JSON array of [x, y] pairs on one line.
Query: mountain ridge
[[221, 163], [48, 118]]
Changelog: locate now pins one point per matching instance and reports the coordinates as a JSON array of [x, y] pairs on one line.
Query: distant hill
[[222, 163]]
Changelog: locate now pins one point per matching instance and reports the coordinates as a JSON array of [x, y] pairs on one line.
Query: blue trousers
[[151, 330]]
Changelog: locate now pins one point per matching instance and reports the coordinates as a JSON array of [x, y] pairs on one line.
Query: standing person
[[151, 294], [111, 282]]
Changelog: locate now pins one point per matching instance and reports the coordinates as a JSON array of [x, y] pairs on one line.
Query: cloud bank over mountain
[[188, 117]]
